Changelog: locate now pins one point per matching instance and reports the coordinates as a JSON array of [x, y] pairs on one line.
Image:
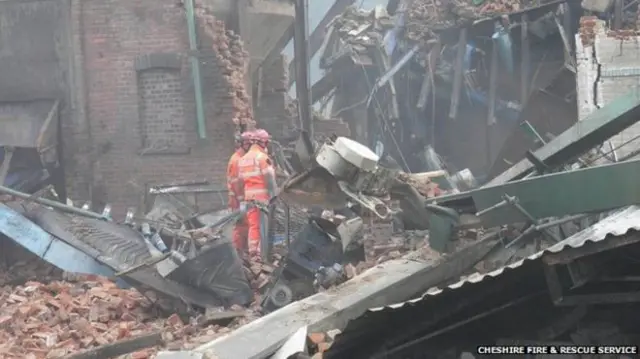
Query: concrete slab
[[391, 282], [179, 355], [221, 8], [264, 24]]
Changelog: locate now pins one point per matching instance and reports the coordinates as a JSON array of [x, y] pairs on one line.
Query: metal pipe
[[629, 155], [557, 222], [301, 50], [195, 69], [529, 128], [77, 211], [525, 60], [492, 208], [493, 83], [287, 225], [614, 153], [47, 202], [458, 75], [386, 77]]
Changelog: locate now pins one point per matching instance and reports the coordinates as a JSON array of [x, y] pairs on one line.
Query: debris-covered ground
[[45, 313], [52, 314]]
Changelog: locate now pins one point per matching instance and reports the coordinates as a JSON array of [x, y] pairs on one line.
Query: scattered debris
[[39, 320]]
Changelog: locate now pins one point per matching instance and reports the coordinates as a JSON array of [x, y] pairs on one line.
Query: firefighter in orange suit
[[234, 186], [258, 176]]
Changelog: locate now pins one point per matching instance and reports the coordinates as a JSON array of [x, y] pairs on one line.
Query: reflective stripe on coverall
[[236, 195], [258, 177]]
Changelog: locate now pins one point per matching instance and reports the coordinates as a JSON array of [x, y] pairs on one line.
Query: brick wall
[[272, 100], [140, 99], [277, 112]]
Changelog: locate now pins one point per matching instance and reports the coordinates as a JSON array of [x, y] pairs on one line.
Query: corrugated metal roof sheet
[[379, 320], [615, 225]]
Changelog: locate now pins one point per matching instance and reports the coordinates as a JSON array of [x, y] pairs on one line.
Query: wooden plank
[[120, 347], [382, 61], [259, 84], [566, 41], [459, 74], [525, 61], [427, 83], [6, 163], [493, 84], [329, 45], [47, 140]]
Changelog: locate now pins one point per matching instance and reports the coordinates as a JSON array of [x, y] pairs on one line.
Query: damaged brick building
[[140, 121], [120, 71]]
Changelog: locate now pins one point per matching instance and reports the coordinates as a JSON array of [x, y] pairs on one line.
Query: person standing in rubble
[[236, 191], [257, 174]]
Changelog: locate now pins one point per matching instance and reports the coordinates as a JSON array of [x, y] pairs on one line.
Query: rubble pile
[[366, 28], [320, 342], [51, 320], [425, 16], [362, 29], [17, 265], [259, 274], [232, 59], [424, 185]]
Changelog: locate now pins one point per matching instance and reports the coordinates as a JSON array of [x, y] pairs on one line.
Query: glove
[[243, 207]]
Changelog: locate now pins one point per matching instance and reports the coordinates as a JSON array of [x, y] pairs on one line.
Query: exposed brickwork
[[587, 30], [272, 99], [277, 112], [115, 33], [162, 117], [230, 60]]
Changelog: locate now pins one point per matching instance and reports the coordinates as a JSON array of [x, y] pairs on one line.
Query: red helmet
[[247, 136], [262, 135]]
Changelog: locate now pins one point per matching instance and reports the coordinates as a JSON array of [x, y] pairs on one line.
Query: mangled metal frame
[[45, 142], [508, 197], [376, 185], [121, 251]]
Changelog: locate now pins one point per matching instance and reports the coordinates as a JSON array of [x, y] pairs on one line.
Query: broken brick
[[317, 338], [323, 347], [174, 320], [45, 321]]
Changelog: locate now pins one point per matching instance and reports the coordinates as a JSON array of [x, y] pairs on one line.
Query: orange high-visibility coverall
[[236, 196], [258, 176]]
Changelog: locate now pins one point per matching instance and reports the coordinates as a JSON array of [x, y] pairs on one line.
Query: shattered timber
[[462, 173]]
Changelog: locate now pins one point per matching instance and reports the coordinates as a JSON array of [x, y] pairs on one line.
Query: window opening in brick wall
[[162, 115]]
